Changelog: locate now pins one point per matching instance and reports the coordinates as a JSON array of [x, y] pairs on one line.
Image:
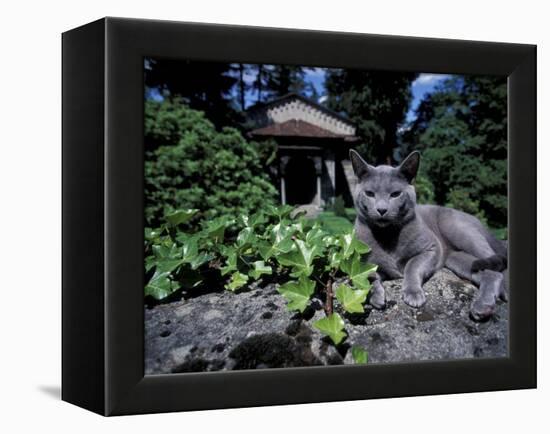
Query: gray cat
[[413, 241]]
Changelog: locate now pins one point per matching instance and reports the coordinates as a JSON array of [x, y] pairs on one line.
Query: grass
[[336, 224]]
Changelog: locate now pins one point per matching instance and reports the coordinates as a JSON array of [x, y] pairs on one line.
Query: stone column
[[331, 171], [282, 173], [318, 161]]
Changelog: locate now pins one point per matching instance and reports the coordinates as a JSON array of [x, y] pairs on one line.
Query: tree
[[189, 164], [204, 86], [461, 129], [376, 102], [311, 92], [260, 83], [284, 79]]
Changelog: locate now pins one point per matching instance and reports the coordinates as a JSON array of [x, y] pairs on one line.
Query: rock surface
[[253, 329]]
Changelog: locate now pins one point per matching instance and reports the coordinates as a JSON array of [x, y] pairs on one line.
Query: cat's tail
[[495, 263]]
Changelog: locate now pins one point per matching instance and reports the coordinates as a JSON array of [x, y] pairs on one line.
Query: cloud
[[430, 79], [316, 72]]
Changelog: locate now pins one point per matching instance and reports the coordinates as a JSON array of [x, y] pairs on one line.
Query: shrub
[[189, 164], [424, 190], [461, 200]]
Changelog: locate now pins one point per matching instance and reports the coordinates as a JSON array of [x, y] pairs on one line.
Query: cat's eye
[[369, 193], [395, 194]]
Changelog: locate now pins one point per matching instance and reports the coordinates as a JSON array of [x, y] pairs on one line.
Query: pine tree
[[284, 79], [377, 102], [461, 130], [204, 86]]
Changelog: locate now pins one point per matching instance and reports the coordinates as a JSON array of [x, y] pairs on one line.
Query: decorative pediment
[[295, 115]]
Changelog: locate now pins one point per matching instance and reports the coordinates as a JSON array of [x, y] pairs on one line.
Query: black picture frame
[[102, 295]]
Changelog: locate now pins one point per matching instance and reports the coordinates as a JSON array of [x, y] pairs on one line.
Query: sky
[[424, 84]]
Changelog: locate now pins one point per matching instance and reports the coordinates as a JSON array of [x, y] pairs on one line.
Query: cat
[[413, 241]]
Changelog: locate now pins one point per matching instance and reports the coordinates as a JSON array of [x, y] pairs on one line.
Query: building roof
[[295, 115], [298, 128], [308, 101]]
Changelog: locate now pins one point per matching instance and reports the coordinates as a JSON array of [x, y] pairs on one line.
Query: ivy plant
[[304, 260]]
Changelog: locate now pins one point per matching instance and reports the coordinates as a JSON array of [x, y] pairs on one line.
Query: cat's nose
[[382, 211]]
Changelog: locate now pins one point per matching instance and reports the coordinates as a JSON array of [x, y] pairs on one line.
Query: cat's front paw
[[414, 297]]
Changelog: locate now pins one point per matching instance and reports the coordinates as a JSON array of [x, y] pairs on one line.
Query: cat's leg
[[466, 234], [491, 284], [418, 269], [377, 295]]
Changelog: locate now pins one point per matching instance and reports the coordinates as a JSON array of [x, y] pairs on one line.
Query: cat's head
[[384, 195]]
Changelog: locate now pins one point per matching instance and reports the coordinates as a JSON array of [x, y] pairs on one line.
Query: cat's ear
[[360, 166], [409, 166]]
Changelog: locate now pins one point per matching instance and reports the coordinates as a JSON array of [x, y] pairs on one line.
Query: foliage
[[333, 326], [204, 86], [191, 165], [352, 300], [295, 252], [338, 207], [460, 199], [376, 101], [336, 218], [359, 354], [461, 130], [424, 189], [284, 79]]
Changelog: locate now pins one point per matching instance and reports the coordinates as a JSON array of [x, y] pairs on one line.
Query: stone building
[[313, 143]]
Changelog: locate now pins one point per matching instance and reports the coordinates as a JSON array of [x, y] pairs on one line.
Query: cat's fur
[[413, 241]]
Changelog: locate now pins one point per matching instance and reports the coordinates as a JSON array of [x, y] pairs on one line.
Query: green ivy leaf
[[332, 326], [245, 238], [281, 232], [315, 236], [350, 299], [166, 250], [334, 260], [300, 260], [359, 354], [230, 262], [160, 286], [190, 249], [280, 212], [281, 242], [259, 269], [150, 263], [200, 259], [252, 220], [152, 234], [351, 244], [357, 271], [342, 248], [180, 216], [168, 265], [238, 280], [215, 229], [297, 293]]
